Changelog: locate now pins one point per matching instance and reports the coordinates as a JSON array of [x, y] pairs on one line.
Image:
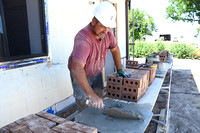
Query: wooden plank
[[36, 123], [51, 117], [20, 129]]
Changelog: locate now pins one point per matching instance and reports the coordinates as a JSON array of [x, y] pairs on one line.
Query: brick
[[112, 79], [131, 90], [34, 122], [114, 87], [78, 127], [51, 117], [64, 129], [132, 64], [131, 97], [138, 79], [20, 129], [152, 72], [113, 94], [3, 130]]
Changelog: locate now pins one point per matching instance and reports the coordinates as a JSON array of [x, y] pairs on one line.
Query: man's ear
[[93, 21]]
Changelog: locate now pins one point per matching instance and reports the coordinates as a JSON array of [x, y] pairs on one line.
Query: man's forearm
[[80, 76], [117, 57]]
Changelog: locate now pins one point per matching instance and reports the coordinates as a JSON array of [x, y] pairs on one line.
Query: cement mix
[[107, 124]]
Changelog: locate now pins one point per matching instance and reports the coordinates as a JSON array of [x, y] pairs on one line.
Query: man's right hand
[[96, 101]]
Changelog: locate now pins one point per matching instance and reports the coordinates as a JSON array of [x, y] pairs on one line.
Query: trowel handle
[[88, 102]]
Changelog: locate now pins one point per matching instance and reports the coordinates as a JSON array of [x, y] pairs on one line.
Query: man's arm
[[117, 57], [79, 74]]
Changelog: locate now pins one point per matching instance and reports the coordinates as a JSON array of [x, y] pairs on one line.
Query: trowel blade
[[119, 111]]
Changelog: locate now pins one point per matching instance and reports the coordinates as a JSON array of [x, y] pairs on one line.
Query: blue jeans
[[95, 82]]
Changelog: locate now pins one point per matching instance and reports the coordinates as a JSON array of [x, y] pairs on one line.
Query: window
[[22, 29]]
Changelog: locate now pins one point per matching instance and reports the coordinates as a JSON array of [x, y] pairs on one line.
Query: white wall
[[31, 89]]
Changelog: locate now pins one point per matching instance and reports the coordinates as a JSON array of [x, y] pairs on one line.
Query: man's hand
[[120, 72], [96, 101]]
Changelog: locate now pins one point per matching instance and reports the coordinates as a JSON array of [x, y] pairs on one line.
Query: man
[[91, 46]]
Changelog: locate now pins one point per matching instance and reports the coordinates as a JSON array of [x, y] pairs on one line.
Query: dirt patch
[[184, 99]]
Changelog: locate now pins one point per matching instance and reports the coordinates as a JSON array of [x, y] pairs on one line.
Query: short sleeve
[[81, 49]]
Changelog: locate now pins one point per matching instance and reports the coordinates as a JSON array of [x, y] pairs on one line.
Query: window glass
[[1, 27]]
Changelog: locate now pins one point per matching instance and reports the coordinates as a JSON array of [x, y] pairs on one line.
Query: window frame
[[24, 60]]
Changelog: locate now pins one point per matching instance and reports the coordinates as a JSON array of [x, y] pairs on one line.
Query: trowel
[[120, 110]]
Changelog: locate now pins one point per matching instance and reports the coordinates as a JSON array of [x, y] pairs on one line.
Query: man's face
[[99, 30]]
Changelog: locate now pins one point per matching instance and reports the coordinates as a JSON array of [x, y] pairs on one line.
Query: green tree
[[184, 10], [143, 25], [198, 32]]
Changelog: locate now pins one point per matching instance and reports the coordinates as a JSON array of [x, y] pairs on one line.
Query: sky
[[156, 9]]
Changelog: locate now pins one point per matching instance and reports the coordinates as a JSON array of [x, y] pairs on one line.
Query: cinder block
[[113, 94], [113, 79], [114, 88]]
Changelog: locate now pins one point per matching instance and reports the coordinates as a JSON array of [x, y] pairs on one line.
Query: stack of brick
[[132, 64], [152, 69], [128, 89], [163, 55]]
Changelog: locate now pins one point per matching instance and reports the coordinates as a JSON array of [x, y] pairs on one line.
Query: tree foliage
[[184, 10], [143, 25]]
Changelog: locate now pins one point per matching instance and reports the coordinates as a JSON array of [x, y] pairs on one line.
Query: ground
[[184, 98]]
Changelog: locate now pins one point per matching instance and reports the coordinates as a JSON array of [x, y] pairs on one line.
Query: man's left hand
[[120, 72]]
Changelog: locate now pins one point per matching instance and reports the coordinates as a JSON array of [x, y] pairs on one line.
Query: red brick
[[113, 79], [78, 127], [131, 90], [113, 94], [132, 97], [114, 87], [132, 64]]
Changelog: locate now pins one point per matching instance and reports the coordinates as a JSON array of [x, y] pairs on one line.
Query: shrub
[[160, 46], [183, 51]]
